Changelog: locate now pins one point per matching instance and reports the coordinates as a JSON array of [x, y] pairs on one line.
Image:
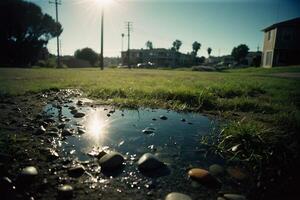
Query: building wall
[[268, 47]]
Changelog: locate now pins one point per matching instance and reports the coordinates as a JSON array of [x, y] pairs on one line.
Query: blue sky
[[219, 24]]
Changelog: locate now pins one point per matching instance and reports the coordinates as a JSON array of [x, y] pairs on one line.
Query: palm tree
[[149, 44], [196, 47], [209, 51], [176, 45]]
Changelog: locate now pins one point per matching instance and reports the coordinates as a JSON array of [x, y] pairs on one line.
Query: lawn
[[262, 110]]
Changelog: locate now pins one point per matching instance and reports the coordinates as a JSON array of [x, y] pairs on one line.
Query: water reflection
[[97, 126]]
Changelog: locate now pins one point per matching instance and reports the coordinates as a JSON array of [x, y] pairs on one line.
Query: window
[[269, 35]]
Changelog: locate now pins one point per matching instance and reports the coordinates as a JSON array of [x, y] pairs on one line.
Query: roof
[[288, 23]]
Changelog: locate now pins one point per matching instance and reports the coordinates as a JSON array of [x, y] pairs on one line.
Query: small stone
[[76, 171], [40, 131], [234, 197], [65, 191], [79, 103], [73, 112], [61, 126], [51, 154], [108, 115], [96, 153], [148, 130], [111, 161], [79, 115], [177, 196], [67, 132], [183, 120], [149, 162], [204, 177], [29, 171], [111, 111], [27, 175], [216, 169], [163, 117], [153, 119], [81, 130]]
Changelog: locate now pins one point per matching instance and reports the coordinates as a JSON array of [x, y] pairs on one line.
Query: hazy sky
[[219, 24]]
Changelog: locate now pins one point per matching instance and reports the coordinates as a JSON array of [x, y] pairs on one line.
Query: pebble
[[177, 196], [81, 130], [65, 191], [216, 169], [79, 103], [163, 117], [148, 130], [76, 171], [111, 161], [51, 154], [149, 162], [27, 175], [79, 115], [204, 177], [40, 131], [234, 197], [67, 132], [183, 120]]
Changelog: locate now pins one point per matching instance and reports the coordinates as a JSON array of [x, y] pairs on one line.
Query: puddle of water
[[175, 141], [123, 131]]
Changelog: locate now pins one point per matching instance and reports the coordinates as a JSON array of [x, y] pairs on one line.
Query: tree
[[87, 54], [196, 47], [176, 45], [149, 44], [240, 52], [24, 32], [209, 51]]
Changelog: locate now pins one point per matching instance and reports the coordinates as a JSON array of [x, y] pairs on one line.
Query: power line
[[57, 3], [128, 26]]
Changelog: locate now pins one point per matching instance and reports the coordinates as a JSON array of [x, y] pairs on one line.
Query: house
[[282, 44], [159, 56]]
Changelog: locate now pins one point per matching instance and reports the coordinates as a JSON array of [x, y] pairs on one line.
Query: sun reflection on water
[[97, 127]]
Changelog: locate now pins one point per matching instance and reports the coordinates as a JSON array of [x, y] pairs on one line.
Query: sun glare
[[103, 2]]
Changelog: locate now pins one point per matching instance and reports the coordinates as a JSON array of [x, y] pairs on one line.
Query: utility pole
[[57, 3], [122, 42], [102, 34], [129, 29]]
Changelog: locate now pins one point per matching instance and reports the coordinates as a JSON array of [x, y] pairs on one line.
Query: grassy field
[[263, 108]]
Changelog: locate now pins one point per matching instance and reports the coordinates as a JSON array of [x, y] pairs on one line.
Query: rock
[[76, 171], [204, 177], [153, 119], [29, 171], [51, 154], [163, 117], [183, 120], [65, 191], [61, 126], [177, 196], [79, 103], [73, 112], [234, 197], [79, 115], [149, 162], [40, 131], [236, 173], [96, 153], [108, 115], [216, 169], [111, 111], [81, 130], [148, 130], [27, 175], [111, 161], [67, 132]]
